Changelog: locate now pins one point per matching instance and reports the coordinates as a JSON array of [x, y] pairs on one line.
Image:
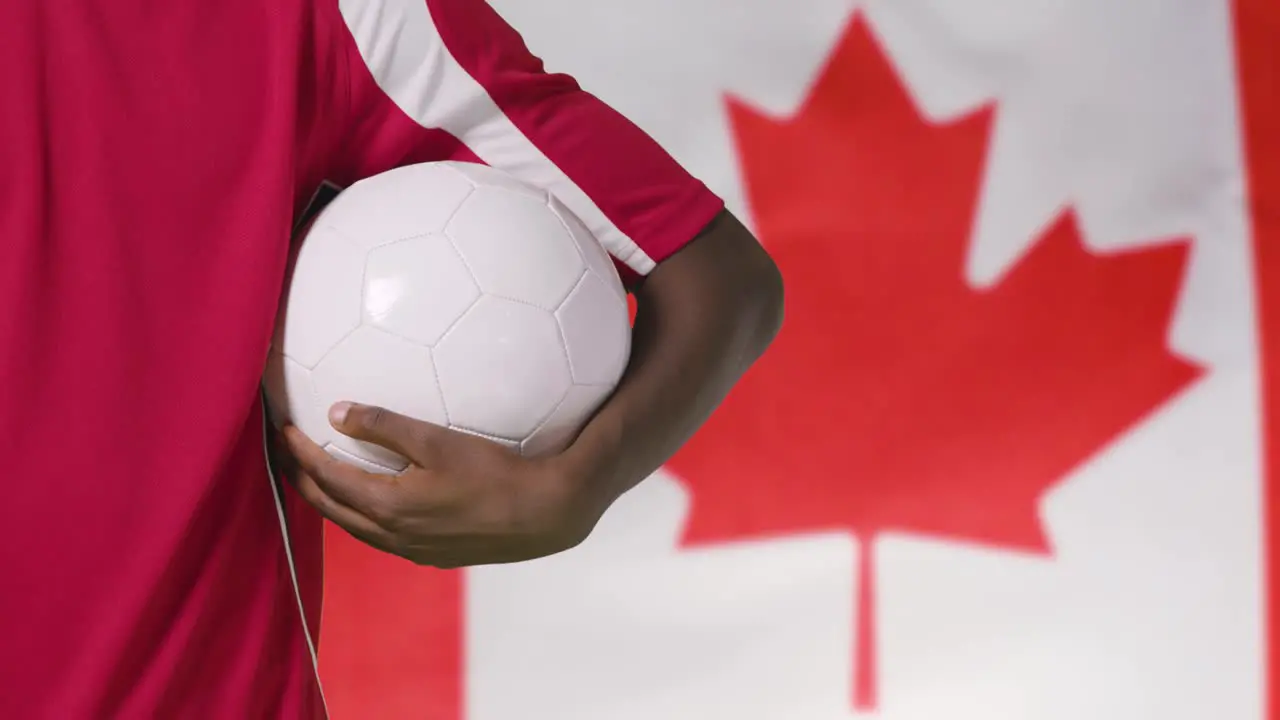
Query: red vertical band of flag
[[1257, 25]]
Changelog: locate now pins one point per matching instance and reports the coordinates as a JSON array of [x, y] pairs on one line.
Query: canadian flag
[[1014, 455]]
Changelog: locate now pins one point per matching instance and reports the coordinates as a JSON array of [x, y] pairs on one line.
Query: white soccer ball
[[455, 294]]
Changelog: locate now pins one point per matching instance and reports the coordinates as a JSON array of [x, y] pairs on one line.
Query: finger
[[368, 494], [414, 439], [360, 527], [279, 456]]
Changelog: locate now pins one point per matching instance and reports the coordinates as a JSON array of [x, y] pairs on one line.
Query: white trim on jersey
[[408, 59], [277, 493]]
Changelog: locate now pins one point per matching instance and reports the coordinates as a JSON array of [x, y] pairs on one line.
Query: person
[[153, 159]]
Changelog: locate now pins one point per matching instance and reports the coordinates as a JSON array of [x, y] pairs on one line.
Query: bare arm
[[704, 316]]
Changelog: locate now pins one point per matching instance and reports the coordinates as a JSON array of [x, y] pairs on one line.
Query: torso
[[152, 156]]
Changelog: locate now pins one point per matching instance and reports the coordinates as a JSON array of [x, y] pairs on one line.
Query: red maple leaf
[[898, 397]]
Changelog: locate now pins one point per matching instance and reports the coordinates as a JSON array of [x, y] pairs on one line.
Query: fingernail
[[338, 413]]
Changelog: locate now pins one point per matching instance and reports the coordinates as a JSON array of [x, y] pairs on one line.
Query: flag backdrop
[[1008, 457]]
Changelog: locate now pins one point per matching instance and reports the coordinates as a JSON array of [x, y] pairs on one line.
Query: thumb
[[414, 439]]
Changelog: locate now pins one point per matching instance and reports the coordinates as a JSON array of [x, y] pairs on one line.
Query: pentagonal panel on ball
[[397, 204], [595, 254], [597, 332], [516, 247], [502, 368], [372, 367], [322, 302], [417, 288]]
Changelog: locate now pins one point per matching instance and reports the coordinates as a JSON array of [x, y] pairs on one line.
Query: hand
[[462, 501]]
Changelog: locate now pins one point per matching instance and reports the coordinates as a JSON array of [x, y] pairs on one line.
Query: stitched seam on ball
[[333, 447], [375, 327], [364, 267], [486, 436], [313, 393], [559, 404], [470, 270], [560, 303], [454, 324], [586, 262], [366, 250], [435, 371], [569, 230], [335, 345], [454, 166], [442, 231], [542, 422], [564, 339], [517, 301], [586, 266], [444, 228], [476, 278]]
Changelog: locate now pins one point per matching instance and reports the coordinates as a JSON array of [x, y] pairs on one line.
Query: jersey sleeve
[[450, 79]]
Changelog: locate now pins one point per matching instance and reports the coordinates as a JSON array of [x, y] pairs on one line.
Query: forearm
[[703, 317]]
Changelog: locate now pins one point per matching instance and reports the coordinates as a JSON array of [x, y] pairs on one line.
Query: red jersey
[[153, 158]]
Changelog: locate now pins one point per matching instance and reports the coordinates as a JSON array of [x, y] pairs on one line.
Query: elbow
[[723, 285], [767, 302], [759, 290], [753, 293]]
